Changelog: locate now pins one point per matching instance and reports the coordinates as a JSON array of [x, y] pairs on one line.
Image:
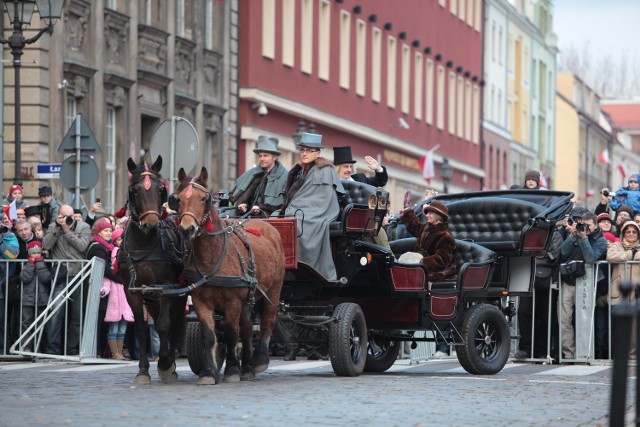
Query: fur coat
[[436, 244]]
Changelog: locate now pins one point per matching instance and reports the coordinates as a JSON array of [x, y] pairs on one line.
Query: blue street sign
[[48, 171]]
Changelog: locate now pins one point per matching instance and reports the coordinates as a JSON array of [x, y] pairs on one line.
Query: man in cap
[[313, 187], [48, 206], [261, 188], [344, 166]]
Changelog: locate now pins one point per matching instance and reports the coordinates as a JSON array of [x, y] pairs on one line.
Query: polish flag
[[604, 156], [427, 166], [11, 211], [622, 171], [543, 180], [590, 193]]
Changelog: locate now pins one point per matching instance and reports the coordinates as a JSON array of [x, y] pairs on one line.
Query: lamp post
[[20, 13], [446, 173], [302, 128]]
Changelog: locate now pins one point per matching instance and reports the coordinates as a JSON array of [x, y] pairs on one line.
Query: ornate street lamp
[[446, 173], [302, 128], [20, 13]]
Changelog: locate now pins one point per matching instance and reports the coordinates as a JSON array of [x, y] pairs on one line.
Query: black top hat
[[342, 155], [267, 144]]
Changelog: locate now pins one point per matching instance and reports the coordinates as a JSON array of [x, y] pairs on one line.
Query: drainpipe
[[1, 112]]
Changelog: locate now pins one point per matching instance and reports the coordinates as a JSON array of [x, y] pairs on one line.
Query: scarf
[[108, 246]]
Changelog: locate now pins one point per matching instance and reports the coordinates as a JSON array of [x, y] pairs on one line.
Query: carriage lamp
[[446, 173], [20, 13]]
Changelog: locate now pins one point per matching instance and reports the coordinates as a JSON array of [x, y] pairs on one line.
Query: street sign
[[88, 173], [48, 171], [88, 140], [176, 140]]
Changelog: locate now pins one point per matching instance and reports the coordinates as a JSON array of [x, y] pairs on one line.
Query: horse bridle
[[207, 204], [147, 177]]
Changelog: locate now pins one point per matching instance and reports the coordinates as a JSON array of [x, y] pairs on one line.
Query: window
[[493, 41], [71, 110], [391, 72], [345, 49], [500, 45], [499, 118], [470, 16], [109, 184], [491, 100], [477, 24], [475, 127], [462, 10], [460, 108], [417, 83], [288, 32], [440, 99], [361, 58], [112, 4], [405, 83], [467, 111], [268, 28], [208, 25], [324, 40], [451, 87], [453, 7], [376, 64], [150, 13], [306, 37], [180, 18], [428, 92]]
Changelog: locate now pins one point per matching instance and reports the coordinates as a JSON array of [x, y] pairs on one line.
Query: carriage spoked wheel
[[382, 353], [195, 351], [348, 340], [486, 340]]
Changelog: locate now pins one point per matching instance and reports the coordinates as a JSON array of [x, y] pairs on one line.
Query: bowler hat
[[267, 144], [437, 207], [310, 140], [342, 155]]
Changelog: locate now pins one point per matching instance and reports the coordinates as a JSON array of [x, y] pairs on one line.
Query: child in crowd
[[16, 193], [36, 282], [628, 195]]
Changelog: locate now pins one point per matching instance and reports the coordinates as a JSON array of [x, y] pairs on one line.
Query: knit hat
[[44, 191], [630, 224], [33, 247], [102, 225], [626, 208], [117, 233], [437, 207], [15, 187], [634, 177], [604, 217], [534, 175]]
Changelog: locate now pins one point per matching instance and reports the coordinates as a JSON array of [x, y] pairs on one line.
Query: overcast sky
[[609, 25]]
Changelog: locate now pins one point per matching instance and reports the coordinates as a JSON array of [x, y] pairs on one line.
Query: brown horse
[[229, 265], [149, 256]]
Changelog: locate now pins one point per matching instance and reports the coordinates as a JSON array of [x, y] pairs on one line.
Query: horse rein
[[147, 177], [200, 223]]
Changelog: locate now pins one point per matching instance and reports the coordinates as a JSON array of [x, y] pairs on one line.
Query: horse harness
[[146, 176]]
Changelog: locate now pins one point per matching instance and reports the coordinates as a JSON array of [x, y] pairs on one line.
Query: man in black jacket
[[343, 162]]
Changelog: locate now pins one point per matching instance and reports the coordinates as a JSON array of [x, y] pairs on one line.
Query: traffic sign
[[88, 173], [48, 171], [176, 140], [87, 141]]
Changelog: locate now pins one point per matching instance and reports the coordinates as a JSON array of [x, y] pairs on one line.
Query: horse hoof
[[231, 378], [168, 375], [247, 376], [260, 368], [142, 379], [206, 381]]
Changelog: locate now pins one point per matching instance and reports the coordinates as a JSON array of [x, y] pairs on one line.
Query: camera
[[580, 227], [4, 229], [570, 221], [68, 220]]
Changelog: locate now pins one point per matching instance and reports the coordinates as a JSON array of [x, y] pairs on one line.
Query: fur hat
[[437, 207], [634, 177], [604, 216], [102, 225], [33, 247], [117, 233], [45, 190], [534, 175], [15, 187]]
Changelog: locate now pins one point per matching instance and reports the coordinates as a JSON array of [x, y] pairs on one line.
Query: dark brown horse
[[149, 256], [230, 265]]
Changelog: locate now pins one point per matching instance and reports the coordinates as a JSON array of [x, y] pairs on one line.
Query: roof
[[625, 116]]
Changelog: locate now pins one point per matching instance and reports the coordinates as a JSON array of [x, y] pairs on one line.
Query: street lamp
[[302, 128], [446, 173], [20, 12]]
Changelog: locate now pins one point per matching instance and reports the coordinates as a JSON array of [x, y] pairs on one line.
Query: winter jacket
[[31, 273], [9, 249], [624, 196], [67, 246], [590, 250], [618, 256]]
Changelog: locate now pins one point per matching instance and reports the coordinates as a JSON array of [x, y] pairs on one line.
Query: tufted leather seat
[[357, 194]]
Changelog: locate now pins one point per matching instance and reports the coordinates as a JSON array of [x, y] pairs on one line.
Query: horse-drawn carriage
[[377, 303]]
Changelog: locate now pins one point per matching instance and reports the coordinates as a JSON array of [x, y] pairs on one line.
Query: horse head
[[194, 204], [147, 194]]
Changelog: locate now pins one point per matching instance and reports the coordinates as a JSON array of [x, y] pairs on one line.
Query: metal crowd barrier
[[91, 273], [584, 316]]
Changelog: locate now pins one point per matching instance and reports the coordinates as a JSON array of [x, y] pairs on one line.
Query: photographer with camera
[[584, 244], [66, 239]]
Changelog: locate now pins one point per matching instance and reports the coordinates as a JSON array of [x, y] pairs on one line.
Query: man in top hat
[[262, 187], [344, 166], [48, 206], [313, 187]]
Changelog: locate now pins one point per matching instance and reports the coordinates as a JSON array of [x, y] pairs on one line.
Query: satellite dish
[[176, 140]]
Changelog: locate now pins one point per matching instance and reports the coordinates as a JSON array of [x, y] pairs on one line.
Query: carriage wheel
[[382, 353], [348, 340], [195, 352], [486, 340]]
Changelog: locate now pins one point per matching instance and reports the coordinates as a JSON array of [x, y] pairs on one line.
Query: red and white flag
[[10, 211], [427, 166], [590, 193], [622, 171], [543, 180], [604, 156]]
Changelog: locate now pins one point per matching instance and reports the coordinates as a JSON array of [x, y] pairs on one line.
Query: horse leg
[[166, 359], [140, 323], [232, 313], [246, 334], [267, 322], [210, 373]]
